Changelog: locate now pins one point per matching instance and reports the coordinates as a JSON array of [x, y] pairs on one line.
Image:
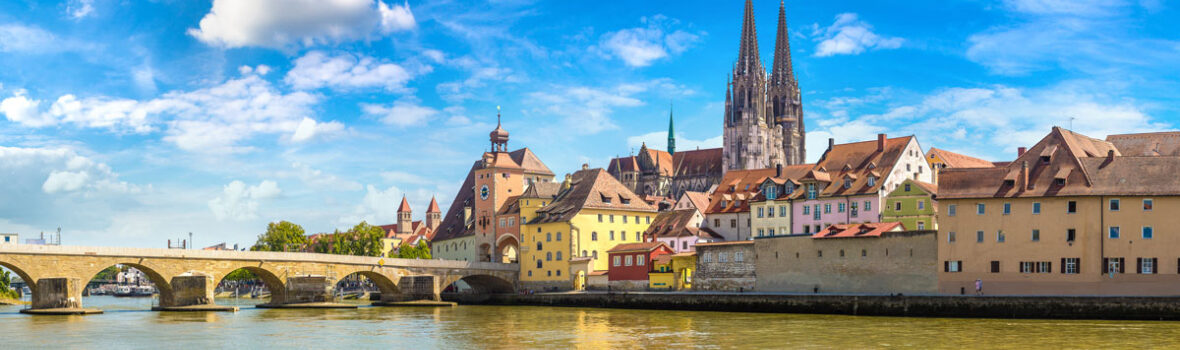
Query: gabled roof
[[956, 160], [543, 190], [648, 160], [860, 159], [673, 223], [511, 206], [529, 161], [698, 200], [875, 229], [454, 224], [1147, 144], [736, 189], [926, 187], [591, 189], [1088, 166], [638, 247], [698, 162]]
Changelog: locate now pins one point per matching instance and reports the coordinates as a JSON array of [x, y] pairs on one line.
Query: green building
[[913, 205]]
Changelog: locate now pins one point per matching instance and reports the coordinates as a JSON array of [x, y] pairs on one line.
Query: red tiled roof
[[638, 247], [875, 229], [404, 207], [854, 162], [956, 160], [433, 206], [593, 189], [699, 200], [697, 162], [736, 189], [1147, 144]]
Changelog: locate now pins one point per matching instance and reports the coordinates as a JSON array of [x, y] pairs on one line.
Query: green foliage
[[363, 239], [282, 236], [108, 274], [241, 275], [406, 251], [6, 285]]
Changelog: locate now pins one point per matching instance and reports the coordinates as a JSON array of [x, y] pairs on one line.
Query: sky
[[128, 123]]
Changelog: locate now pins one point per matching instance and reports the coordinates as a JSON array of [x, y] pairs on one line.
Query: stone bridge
[[56, 275]]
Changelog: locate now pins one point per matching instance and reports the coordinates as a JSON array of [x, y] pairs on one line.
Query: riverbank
[[1028, 307], [6, 301]]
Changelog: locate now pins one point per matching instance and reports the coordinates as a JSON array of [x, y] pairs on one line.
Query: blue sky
[[127, 123]]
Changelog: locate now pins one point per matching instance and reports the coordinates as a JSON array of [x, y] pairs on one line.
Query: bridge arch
[[384, 283], [29, 281], [163, 286], [273, 283], [485, 284]]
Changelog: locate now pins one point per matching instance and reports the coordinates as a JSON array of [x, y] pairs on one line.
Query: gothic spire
[[671, 133], [748, 61], [782, 72]]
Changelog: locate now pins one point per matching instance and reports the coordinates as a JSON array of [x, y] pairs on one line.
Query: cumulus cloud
[[21, 38], [239, 201], [849, 35], [286, 23], [401, 113], [25, 111], [320, 179], [79, 9], [640, 46], [317, 70], [309, 128]]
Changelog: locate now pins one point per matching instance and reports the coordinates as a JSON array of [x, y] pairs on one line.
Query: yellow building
[[672, 271], [912, 204], [1071, 216], [591, 214]]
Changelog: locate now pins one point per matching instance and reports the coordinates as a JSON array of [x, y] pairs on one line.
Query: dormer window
[[625, 200], [847, 182], [811, 191], [872, 180], [1009, 182], [771, 192], [723, 203], [1045, 160], [606, 199], [1059, 182]]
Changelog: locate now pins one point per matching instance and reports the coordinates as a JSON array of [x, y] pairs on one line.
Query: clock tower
[[498, 180]]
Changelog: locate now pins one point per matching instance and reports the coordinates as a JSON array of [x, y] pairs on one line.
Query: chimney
[[1020, 151], [778, 170], [1024, 176], [880, 142], [585, 166], [831, 143], [1110, 155]]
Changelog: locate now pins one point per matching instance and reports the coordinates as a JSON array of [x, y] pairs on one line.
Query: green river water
[[127, 324]]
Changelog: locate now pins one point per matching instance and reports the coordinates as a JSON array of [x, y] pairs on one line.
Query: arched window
[[548, 236], [549, 256], [539, 246], [593, 236], [584, 253], [538, 263], [559, 236], [594, 254], [558, 256]]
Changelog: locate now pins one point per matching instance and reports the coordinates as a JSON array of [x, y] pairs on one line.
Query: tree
[[6, 285], [407, 251], [282, 236], [365, 240], [241, 275]]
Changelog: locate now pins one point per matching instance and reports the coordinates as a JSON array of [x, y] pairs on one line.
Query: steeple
[[671, 133], [782, 73], [748, 61], [499, 136]]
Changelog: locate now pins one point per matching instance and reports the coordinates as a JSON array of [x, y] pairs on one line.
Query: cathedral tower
[[752, 138], [671, 133], [786, 105]]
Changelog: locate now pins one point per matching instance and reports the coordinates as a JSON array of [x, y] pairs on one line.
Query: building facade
[[877, 258], [728, 214], [725, 266], [1070, 216], [770, 210], [680, 229], [630, 264], [913, 205]]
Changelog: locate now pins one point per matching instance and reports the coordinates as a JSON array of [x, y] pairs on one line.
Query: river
[[127, 324]]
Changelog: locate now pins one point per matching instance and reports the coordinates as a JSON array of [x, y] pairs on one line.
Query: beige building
[[725, 266], [875, 258], [1071, 216]]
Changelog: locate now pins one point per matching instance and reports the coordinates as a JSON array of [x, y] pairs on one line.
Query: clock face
[[483, 192]]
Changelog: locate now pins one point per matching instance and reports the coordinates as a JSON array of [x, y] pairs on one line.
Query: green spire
[[671, 133]]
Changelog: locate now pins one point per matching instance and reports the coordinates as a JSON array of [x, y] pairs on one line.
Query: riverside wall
[[1035, 307]]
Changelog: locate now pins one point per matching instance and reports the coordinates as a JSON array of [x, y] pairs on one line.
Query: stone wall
[[632, 285], [725, 266], [192, 290], [901, 262]]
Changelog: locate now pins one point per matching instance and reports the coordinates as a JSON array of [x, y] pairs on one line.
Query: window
[[721, 257], [980, 208], [558, 256], [819, 253], [771, 231], [868, 205], [548, 236], [723, 202], [978, 236], [952, 266], [811, 192], [1070, 235], [716, 222], [760, 212], [1071, 207], [770, 212], [647, 219], [1026, 267], [864, 253], [1036, 235], [594, 254], [907, 186], [624, 219], [827, 208], [530, 273], [1147, 204], [847, 182], [539, 246], [684, 245], [627, 260], [614, 260], [549, 256], [782, 210], [640, 261], [872, 181], [1115, 204], [538, 263], [761, 233], [599, 217], [950, 209], [732, 222], [806, 229], [921, 204], [707, 257], [612, 235], [1070, 266], [995, 266], [1007, 208], [584, 253], [1000, 236], [897, 205], [921, 225], [1147, 266], [841, 253], [950, 237], [593, 236], [1114, 232], [1036, 207], [1148, 232], [1113, 265], [840, 208], [559, 272], [806, 210], [612, 218], [739, 256]]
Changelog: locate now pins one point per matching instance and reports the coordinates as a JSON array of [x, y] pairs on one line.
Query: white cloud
[[286, 23], [79, 9], [20, 38], [639, 47], [1070, 7], [25, 111], [345, 71], [239, 201], [402, 113], [659, 140], [588, 110], [309, 128], [319, 179], [849, 35]]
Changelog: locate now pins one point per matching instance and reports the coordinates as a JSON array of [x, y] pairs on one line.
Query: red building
[[630, 263]]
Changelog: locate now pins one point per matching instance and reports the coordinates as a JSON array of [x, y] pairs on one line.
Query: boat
[[134, 291]]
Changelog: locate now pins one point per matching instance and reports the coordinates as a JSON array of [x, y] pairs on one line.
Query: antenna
[[1071, 118]]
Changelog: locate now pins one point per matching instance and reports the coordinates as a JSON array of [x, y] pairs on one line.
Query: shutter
[[1122, 265], [1139, 265], [946, 266], [1155, 265], [1049, 267], [1062, 265], [1078, 265], [1105, 266]]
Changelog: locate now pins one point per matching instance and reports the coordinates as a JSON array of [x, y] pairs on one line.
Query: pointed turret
[[403, 217], [671, 133], [433, 215], [748, 61], [433, 206], [782, 73]]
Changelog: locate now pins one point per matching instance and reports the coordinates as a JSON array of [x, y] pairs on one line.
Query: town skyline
[[135, 149]]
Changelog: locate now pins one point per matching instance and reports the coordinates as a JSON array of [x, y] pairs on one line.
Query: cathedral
[[763, 126], [763, 114]]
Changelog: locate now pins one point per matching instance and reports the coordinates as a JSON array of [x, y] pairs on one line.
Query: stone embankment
[[1041, 307]]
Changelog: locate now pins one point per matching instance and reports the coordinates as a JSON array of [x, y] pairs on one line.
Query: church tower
[[752, 139], [671, 133], [786, 105]]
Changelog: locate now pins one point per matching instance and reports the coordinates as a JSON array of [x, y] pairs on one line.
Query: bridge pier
[[58, 296], [419, 288], [191, 293], [307, 292]]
